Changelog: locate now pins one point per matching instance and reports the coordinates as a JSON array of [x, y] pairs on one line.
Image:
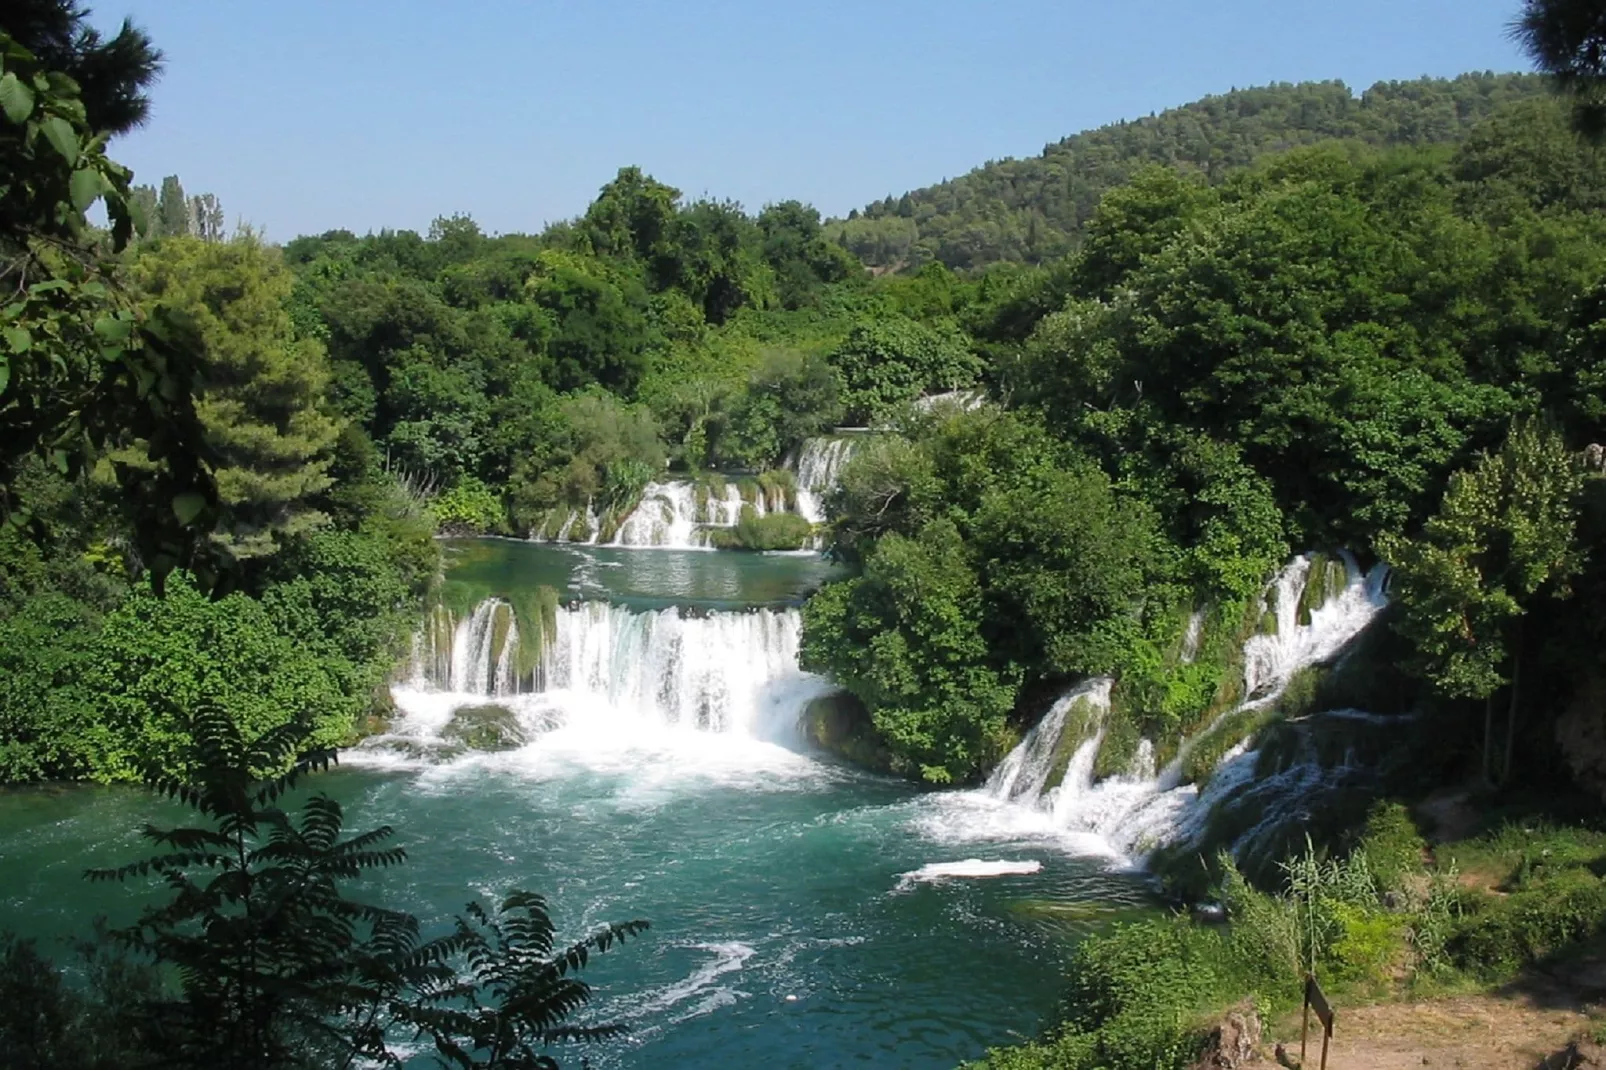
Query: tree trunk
[[1511, 710], [1488, 740]]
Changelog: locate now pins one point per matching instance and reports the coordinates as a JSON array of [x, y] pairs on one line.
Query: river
[[800, 912]]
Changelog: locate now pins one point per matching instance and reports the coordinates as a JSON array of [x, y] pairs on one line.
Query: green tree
[[263, 404], [1066, 563], [905, 637], [156, 659], [172, 210], [1501, 541], [112, 76], [893, 360], [81, 369], [601, 330]]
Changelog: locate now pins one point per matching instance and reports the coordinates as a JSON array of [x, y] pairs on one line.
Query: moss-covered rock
[[1081, 721], [839, 723], [486, 728]]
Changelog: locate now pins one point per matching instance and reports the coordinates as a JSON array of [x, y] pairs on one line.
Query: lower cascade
[[603, 666], [1144, 808]]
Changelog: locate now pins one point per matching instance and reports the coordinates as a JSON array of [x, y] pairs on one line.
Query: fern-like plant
[[276, 967]]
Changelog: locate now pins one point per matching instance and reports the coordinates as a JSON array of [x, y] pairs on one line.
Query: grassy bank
[[1474, 906]]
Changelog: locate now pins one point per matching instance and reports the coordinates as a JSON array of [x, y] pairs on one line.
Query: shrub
[[1529, 925], [470, 507], [1392, 845], [777, 531]]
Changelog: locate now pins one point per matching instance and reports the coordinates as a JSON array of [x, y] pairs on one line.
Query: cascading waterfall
[[1142, 810], [612, 667], [818, 466], [720, 671], [678, 514], [672, 515]]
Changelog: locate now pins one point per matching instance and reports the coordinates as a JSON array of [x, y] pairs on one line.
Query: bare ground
[[1522, 1029]]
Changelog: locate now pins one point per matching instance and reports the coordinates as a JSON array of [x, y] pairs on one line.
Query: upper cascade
[[680, 514], [1052, 770]]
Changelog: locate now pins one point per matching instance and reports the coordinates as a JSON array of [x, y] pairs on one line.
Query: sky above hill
[[305, 115]]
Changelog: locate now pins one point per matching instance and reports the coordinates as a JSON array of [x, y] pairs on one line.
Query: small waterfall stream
[[1144, 809], [818, 466]]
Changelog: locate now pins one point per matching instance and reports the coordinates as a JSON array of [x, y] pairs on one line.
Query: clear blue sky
[[304, 115]]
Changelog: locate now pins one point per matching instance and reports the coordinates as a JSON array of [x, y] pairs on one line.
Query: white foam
[[968, 869]]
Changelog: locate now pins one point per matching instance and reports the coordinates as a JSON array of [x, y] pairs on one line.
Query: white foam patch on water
[[968, 869], [728, 956]]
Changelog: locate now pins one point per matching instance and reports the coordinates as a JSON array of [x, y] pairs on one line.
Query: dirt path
[[1508, 1032]]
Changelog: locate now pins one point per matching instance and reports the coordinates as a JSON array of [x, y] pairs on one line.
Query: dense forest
[[1035, 210], [1279, 320]]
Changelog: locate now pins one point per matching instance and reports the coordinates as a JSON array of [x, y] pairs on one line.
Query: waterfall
[[672, 515], [720, 671], [615, 668], [678, 514], [1144, 809], [818, 466], [667, 516], [1030, 768]]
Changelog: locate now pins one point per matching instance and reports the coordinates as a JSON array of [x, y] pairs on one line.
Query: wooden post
[[1316, 999]]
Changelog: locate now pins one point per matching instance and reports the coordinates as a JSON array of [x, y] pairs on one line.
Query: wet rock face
[[1234, 1043]]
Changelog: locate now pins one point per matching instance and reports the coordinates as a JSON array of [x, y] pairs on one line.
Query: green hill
[[1033, 210]]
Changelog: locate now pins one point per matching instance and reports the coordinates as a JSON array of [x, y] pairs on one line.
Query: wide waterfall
[[602, 667], [1051, 771]]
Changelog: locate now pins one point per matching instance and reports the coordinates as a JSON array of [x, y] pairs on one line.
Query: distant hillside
[[1033, 210]]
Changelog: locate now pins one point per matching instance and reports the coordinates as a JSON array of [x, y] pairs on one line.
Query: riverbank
[[1468, 930]]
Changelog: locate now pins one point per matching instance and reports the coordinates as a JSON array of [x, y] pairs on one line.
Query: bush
[[156, 659], [471, 508], [777, 531], [1394, 848], [1137, 997], [1500, 936]]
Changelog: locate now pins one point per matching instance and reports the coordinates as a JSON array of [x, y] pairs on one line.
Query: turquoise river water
[[800, 912]]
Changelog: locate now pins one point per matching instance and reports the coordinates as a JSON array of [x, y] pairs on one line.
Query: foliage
[[47, 1023], [1503, 534], [905, 638], [895, 360], [469, 507], [1035, 209], [262, 399], [277, 966], [775, 531], [82, 367], [1564, 38]]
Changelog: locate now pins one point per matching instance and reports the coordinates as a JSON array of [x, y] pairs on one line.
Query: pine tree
[[263, 404]]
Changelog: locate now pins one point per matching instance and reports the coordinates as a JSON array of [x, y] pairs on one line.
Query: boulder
[[1234, 1043], [485, 728], [840, 724]]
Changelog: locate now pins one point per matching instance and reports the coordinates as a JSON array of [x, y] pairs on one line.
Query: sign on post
[[1316, 1000]]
